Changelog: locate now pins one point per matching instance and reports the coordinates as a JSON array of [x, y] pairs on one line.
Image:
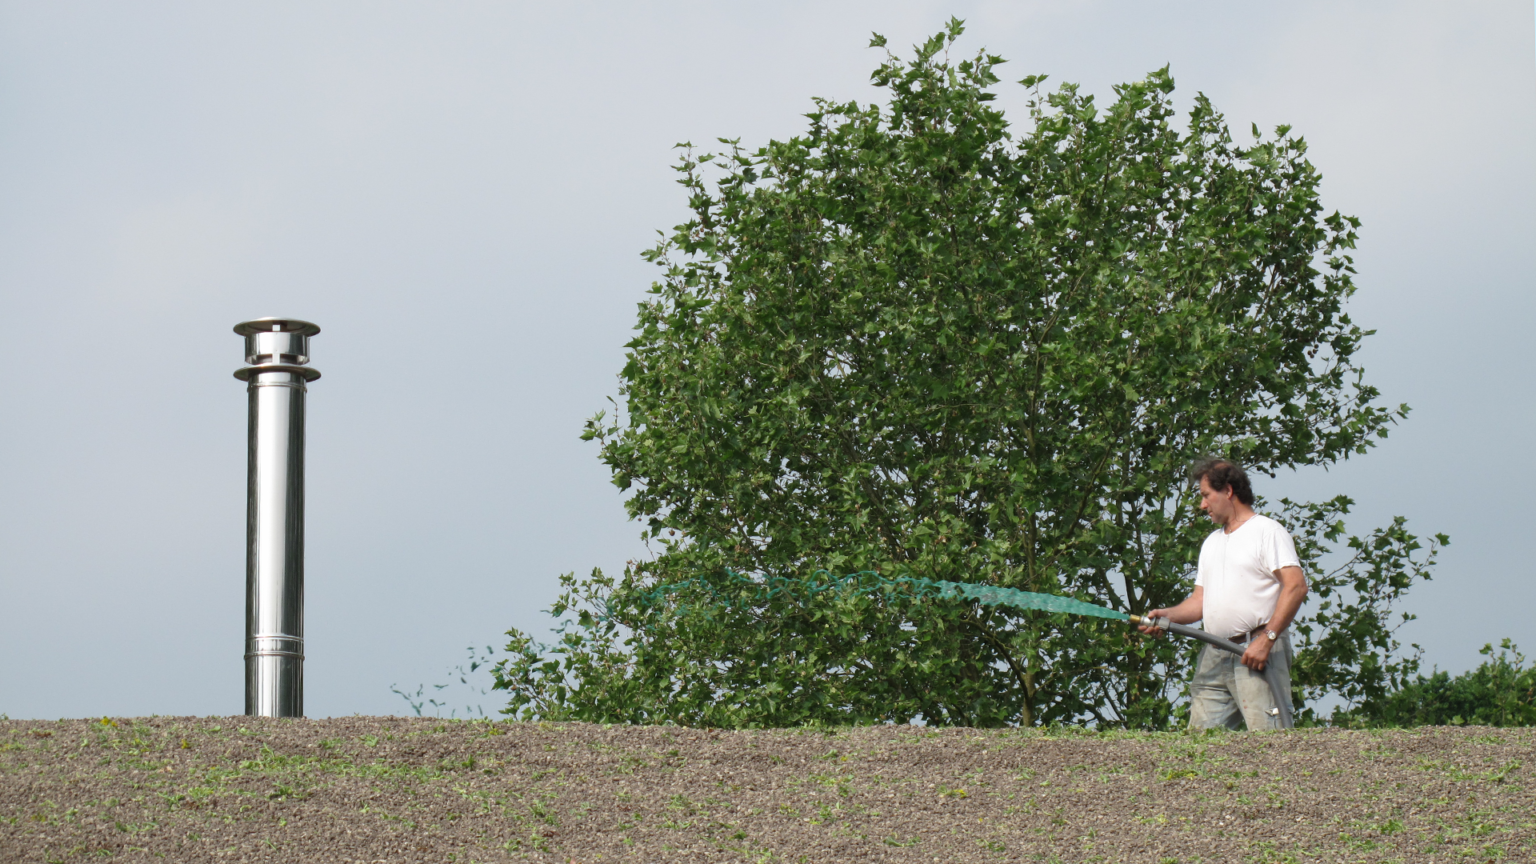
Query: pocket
[[1208, 664]]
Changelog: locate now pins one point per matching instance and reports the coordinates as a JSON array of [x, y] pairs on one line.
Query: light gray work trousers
[[1227, 694]]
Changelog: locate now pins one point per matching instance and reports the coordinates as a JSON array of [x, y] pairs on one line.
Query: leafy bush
[[1500, 692]]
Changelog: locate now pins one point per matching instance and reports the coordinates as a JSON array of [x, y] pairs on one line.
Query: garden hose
[[1282, 702]]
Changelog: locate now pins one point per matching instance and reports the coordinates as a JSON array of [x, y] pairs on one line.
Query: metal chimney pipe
[[277, 350]]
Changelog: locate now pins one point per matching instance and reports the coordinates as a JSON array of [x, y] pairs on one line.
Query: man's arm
[[1293, 590], [1188, 612]]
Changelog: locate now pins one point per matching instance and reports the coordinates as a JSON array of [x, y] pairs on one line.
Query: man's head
[[1223, 487]]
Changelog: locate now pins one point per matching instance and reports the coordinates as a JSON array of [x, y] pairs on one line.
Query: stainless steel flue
[[277, 350]]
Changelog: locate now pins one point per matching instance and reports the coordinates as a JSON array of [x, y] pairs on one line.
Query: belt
[[1245, 638]]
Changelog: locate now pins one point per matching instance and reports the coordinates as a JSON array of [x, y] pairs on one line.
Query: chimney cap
[[280, 325]]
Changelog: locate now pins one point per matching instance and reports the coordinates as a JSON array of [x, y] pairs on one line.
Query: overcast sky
[[458, 193]]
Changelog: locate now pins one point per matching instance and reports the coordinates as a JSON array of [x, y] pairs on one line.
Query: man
[[1248, 588]]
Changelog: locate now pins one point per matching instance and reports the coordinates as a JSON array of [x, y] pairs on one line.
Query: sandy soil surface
[[369, 789]]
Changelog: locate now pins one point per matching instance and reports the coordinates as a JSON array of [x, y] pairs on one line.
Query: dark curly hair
[[1223, 474]]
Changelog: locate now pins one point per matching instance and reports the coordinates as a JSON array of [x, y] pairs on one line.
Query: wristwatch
[[1272, 635]]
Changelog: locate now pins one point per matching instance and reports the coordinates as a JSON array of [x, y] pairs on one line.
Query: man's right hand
[[1148, 628]]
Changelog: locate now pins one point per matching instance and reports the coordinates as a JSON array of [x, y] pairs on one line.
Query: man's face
[[1217, 505]]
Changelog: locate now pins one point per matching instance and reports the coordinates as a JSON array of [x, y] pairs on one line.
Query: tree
[[916, 341]]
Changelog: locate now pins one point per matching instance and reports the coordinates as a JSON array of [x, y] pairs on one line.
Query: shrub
[[1500, 692]]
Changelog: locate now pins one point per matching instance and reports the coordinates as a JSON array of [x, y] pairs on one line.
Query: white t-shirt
[[1237, 571]]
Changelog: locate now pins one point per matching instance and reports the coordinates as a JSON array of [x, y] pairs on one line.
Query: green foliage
[[1345, 643], [1500, 692], [918, 341], [423, 699]]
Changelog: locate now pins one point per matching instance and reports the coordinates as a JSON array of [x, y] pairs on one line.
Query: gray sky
[[458, 194]]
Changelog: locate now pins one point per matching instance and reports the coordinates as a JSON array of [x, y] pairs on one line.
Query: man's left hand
[[1258, 652]]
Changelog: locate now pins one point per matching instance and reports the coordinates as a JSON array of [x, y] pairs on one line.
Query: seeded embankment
[[397, 789]]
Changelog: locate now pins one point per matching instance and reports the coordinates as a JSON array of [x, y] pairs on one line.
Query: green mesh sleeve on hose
[[992, 595], [870, 582]]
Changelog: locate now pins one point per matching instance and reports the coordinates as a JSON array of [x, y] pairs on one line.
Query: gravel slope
[[407, 789]]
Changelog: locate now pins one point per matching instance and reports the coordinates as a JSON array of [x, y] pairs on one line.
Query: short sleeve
[[1279, 549], [1202, 564]]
